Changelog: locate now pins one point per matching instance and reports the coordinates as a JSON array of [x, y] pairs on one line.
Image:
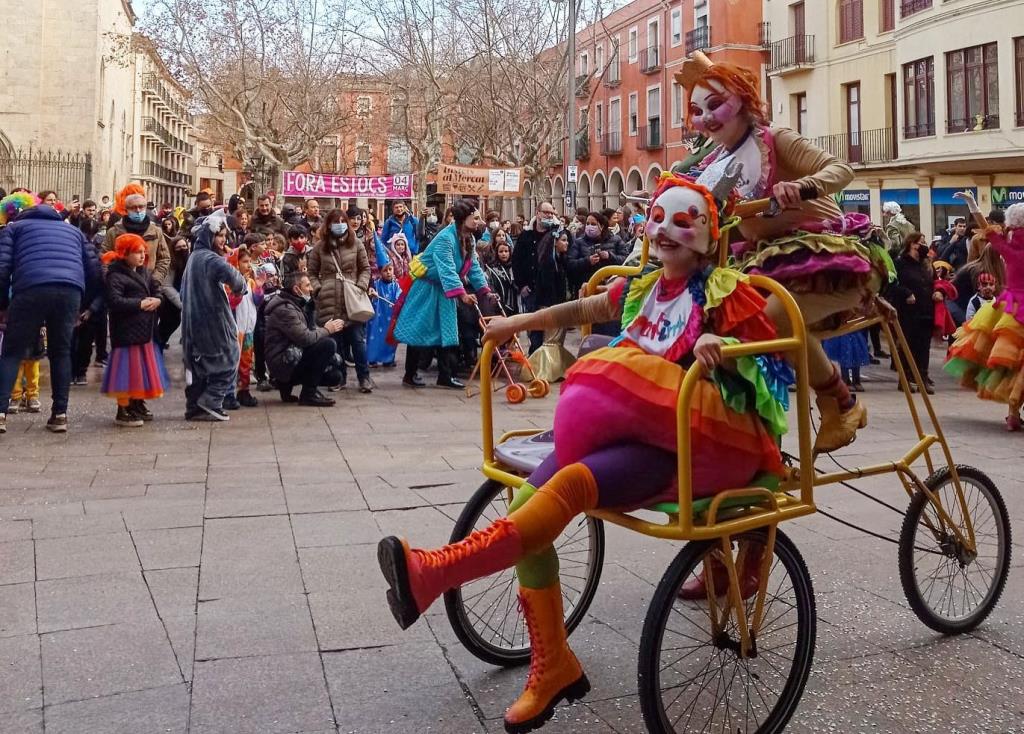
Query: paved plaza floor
[[196, 577]]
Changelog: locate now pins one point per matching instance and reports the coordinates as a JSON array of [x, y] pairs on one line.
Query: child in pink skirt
[[135, 370]]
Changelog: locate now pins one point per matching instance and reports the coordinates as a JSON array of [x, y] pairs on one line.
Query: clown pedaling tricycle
[[683, 414]]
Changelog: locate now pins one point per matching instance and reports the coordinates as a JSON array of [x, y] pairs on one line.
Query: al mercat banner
[[478, 181]]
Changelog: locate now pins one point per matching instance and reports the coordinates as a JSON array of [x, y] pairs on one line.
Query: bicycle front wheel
[[950, 588], [691, 676]]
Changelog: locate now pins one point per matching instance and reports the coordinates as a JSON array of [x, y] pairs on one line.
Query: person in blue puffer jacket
[[47, 268]]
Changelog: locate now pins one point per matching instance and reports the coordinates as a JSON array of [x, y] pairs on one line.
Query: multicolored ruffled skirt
[[622, 394], [135, 372], [822, 257], [988, 354]]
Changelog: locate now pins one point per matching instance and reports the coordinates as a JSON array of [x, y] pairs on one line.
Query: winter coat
[[427, 232], [502, 283], [126, 287], [524, 259], [409, 227], [270, 224], [552, 273], [158, 255], [428, 316], [38, 248], [913, 278], [580, 250], [323, 270], [287, 322], [955, 252], [209, 337]]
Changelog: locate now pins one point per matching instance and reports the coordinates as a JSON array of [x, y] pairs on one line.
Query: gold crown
[[693, 69]]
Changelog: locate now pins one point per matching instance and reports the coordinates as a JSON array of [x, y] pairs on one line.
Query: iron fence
[[650, 60], [611, 143], [69, 174]]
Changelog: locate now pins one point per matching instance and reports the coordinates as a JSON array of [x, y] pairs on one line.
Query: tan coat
[[158, 254], [799, 160], [348, 253]]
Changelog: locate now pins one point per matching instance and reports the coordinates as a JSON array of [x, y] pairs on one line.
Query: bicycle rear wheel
[[485, 615]]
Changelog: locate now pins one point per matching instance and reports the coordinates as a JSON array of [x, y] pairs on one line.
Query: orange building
[[630, 110]]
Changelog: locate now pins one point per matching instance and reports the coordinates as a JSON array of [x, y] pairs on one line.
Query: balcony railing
[[611, 143], [583, 86], [155, 170], [650, 59], [792, 53], [972, 124], [582, 144], [922, 130], [764, 35], [863, 148], [649, 137], [698, 39], [153, 84], [613, 76], [171, 142], [909, 7]]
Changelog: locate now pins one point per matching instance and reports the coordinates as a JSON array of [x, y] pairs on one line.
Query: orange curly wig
[[737, 80], [123, 194]]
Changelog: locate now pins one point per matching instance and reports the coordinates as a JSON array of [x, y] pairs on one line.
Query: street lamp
[[570, 110]]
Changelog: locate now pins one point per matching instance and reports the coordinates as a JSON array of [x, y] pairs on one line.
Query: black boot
[[246, 399], [139, 408], [126, 418]]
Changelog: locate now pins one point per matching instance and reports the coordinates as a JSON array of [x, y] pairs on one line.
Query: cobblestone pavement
[[222, 578]]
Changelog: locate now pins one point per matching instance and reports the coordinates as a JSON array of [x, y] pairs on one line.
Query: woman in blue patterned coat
[[426, 316]]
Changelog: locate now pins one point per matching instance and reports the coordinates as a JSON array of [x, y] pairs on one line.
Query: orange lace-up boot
[[555, 673], [418, 577], [748, 571]]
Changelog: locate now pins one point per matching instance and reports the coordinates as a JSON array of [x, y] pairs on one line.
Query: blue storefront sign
[[903, 197], [855, 197], [1004, 196], [944, 197]]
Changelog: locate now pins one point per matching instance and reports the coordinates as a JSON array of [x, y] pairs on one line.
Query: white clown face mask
[[680, 218]]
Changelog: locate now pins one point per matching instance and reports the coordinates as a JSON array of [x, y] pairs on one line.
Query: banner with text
[[297, 183], [475, 181]]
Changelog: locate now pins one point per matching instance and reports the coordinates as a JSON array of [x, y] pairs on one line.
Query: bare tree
[[267, 73]]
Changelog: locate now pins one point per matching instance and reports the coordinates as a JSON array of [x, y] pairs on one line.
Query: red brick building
[[630, 110]]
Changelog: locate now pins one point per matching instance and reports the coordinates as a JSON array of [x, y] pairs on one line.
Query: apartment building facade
[[164, 159], [629, 109], [922, 97]]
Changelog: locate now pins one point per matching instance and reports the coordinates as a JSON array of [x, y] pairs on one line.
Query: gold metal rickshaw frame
[[741, 510]]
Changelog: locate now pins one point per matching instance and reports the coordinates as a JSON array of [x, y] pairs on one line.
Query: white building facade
[[66, 83], [922, 97]]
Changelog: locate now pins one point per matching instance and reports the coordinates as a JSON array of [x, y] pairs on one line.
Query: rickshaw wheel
[[515, 393], [539, 388], [693, 679], [951, 590], [484, 614]]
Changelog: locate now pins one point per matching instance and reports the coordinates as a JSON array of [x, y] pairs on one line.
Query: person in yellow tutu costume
[[988, 355]]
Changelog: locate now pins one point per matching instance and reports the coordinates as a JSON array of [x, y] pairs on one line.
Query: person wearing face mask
[[202, 208], [294, 257], [525, 263], [135, 220], [913, 296], [209, 334], [429, 226], [337, 257], [493, 224], [811, 247], [594, 248]]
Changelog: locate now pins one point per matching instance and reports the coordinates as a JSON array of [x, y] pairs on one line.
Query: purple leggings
[[629, 475]]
